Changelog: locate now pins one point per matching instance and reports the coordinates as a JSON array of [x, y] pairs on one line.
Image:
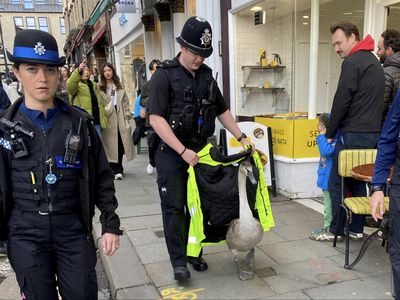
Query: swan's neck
[[244, 208]]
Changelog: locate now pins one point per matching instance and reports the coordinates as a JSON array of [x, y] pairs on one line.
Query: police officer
[[184, 101], [389, 155], [53, 171]]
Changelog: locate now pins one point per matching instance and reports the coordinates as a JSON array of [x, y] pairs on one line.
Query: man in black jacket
[[356, 113], [389, 55], [53, 172]]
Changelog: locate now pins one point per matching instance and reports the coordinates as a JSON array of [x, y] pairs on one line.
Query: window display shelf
[[276, 91]]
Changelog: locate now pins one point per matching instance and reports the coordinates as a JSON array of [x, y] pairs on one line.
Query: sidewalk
[[288, 265]]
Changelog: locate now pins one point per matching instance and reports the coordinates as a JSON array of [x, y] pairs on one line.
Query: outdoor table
[[366, 172]]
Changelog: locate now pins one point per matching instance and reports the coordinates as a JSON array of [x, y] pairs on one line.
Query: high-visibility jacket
[[196, 228]]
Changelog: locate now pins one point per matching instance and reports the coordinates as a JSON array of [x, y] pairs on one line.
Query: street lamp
[[4, 50]]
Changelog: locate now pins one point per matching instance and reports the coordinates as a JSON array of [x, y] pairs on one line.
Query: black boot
[[198, 263], [181, 273]]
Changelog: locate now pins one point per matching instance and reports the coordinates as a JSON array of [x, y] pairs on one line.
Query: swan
[[246, 232]]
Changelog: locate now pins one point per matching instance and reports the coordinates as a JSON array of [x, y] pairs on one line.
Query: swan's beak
[[250, 174]]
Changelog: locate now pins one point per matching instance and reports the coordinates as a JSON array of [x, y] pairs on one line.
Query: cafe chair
[[348, 159]]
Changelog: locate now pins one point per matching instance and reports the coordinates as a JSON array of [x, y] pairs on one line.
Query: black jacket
[[98, 181], [391, 67], [358, 102]]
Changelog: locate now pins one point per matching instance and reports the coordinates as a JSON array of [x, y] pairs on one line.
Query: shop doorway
[[324, 99]]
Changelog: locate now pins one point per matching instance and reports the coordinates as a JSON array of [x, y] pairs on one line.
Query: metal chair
[[348, 159]]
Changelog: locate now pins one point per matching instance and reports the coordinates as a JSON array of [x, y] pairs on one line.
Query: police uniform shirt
[[38, 118], [160, 93]]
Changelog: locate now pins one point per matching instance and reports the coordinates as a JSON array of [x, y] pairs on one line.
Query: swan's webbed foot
[[250, 259], [246, 275]]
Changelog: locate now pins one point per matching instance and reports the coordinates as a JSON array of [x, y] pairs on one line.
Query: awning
[[98, 11]]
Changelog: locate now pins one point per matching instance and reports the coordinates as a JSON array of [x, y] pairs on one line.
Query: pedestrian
[[324, 169], [84, 93], [387, 156], [184, 101], [117, 138], [143, 102], [14, 89], [389, 55], [53, 172], [4, 101], [356, 112], [95, 75], [62, 91]]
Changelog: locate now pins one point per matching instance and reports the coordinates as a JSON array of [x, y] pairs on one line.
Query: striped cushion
[[361, 205]]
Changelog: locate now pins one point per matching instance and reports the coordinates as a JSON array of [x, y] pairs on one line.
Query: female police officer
[[53, 171], [184, 101]]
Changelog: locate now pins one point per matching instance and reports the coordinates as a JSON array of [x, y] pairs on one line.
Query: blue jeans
[[349, 140]]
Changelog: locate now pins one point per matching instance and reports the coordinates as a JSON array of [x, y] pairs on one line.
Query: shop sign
[[293, 138], [126, 6], [258, 135]]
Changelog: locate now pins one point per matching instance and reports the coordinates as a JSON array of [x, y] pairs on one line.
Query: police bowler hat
[[35, 46], [196, 36]]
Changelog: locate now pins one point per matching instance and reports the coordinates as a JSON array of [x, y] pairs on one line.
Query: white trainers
[[150, 169], [356, 236], [119, 176]]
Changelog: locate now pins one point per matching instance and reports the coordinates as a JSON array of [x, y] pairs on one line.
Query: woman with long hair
[[62, 91], [117, 138]]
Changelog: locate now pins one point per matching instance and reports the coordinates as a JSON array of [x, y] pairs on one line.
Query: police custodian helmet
[[35, 46], [196, 36]]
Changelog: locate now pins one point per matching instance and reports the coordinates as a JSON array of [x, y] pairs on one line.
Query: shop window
[[43, 25], [127, 51], [30, 23], [62, 25], [18, 22]]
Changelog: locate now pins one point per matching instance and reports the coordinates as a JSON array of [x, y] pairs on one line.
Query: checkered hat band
[[30, 53]]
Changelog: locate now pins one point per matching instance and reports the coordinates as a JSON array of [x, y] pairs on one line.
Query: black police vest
[[192, 109], [30, 190]]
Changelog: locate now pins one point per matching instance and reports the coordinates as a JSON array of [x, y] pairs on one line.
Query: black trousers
[[49, 251], [394, 232], [357, 188], [172, 185]]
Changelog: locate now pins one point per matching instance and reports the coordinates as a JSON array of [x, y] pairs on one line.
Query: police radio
[[72, 146]]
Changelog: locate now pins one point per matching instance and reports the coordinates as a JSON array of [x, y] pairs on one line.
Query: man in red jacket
[[356, 112]]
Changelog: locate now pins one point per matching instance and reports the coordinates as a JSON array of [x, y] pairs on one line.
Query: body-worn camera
[[18, 146]]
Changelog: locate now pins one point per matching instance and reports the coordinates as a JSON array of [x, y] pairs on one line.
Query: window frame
[[47, 24], [22, 22], [14, 2], [27, 24], [62, 25], [40, 2]]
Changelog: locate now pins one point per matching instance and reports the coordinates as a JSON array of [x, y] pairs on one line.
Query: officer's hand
[[190, 157], [110, 243], [245, 142], [377, 203]]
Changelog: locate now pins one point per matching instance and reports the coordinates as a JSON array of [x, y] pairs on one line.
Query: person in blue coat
[[326, 150], [387, 156]]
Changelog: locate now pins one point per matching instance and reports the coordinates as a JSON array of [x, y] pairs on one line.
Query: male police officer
[[183, 104], [53, 171]]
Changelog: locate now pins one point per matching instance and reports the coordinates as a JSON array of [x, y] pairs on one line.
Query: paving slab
[[376, 287], [152, 253], [221, 287], [142, 222], [321, 271], [298, 231], [9, 288], [145, 236], [293, 251], [284, 284], [139, 292], [293, 295], [136, 210]]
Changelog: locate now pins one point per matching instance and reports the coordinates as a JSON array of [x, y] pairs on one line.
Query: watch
[[377, 188], [243, 136]]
